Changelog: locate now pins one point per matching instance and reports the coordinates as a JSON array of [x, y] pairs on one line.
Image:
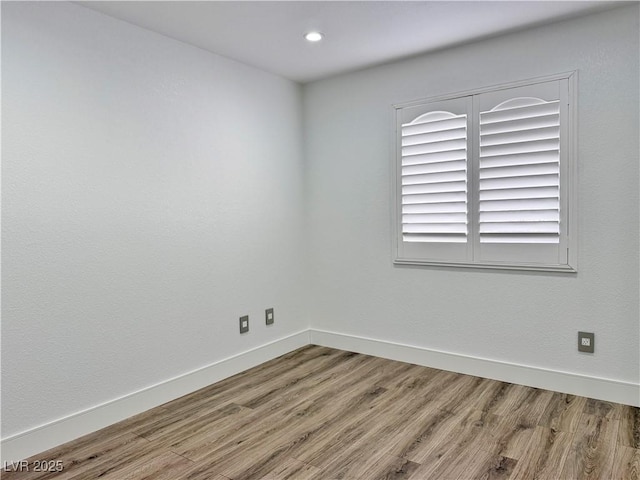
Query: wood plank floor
[[325, 414]]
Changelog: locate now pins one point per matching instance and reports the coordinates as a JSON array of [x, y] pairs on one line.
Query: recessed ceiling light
[[313, 36]]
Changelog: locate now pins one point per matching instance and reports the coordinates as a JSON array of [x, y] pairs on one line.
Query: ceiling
[[358, 34]]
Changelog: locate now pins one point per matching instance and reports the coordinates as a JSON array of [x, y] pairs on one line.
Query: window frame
[[569, 170]]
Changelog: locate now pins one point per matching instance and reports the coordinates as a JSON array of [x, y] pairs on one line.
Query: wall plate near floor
[[268, 316], [586, 342], [244, 324]]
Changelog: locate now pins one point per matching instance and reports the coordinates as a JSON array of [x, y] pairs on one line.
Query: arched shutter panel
[[522, 195], [519, 185], [434, 178]]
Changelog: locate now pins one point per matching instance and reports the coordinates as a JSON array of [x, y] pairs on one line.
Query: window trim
[[571, 180]]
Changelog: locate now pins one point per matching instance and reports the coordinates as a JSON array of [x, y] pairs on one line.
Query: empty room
[[318, 240]]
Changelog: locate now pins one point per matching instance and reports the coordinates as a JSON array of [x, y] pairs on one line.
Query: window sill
[[489, 266]]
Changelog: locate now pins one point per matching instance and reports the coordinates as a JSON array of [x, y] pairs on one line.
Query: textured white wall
[[524, 318], [152, 194]]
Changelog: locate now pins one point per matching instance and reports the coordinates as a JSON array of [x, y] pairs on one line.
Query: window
[[486, 178]]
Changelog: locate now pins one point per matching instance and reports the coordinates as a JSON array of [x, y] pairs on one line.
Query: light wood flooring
[[325, 414]]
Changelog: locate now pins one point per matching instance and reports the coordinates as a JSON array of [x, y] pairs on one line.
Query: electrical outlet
[[268, 316], [244, 324], [586, 342]]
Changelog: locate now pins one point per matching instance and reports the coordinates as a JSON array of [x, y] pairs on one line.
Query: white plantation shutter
[[434, 178], [485, 179], [522, 187], [520, 172]]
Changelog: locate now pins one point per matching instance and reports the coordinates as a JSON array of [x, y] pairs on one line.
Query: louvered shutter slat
[[549, 120], [521, 170], [434, 147], [433, 238], [519, 183], [448, 207], [460, 228], [525, 158], [504, 183], [428, 158], [519, 227], [434, 178], [550, 215], [533, 146], [518, 205], [519, 136], [519, 194], [430, 218], [457, 165], [433, 137], [447, 197], [434, 187]]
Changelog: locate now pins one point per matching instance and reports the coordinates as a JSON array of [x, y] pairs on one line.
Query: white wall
[[152, 195], [529, 319]]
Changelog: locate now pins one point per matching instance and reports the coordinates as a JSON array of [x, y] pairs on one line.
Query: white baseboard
[[57, 432], [593, 387], [44, 437]]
